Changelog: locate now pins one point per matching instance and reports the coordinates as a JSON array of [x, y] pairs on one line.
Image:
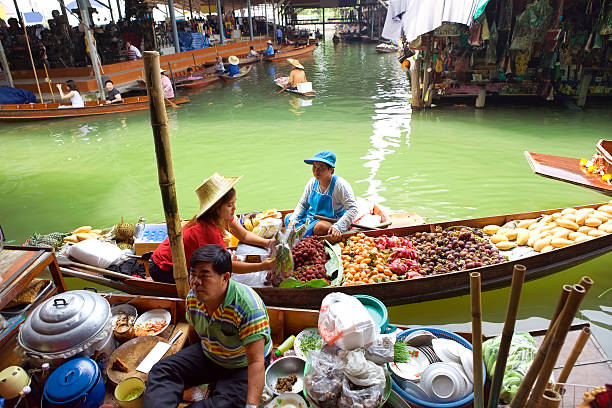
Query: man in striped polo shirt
[[232, 324]]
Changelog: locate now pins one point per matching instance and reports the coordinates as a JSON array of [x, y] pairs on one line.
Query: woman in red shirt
[[216, 216]]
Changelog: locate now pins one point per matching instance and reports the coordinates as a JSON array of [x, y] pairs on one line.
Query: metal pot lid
[[71, 380], [64, 321]]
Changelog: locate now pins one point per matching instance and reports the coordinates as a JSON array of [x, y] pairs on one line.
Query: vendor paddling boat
[[244, 71], [430, 279], [290, 52], [282, 82], [595, 174], [41, 111]]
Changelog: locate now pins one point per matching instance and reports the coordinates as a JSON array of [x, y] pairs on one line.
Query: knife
[[156, 354]]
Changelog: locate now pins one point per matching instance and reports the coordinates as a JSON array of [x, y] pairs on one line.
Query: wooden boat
[[422, 289], [40, 111], [385, 48], [244, 71], [245, 59], [290, 52], [568, 169], [200, 82], [282, 81]]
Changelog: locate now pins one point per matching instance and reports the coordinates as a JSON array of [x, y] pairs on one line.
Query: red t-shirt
[[194, 237]]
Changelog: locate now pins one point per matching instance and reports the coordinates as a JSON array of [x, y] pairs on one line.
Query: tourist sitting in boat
[[233, 68], [231, 323], [297, 75], [219, 65], [190, 76], [74, 96], [252, 52], [132, 52], [113, 96], [270, 49], [166, 85], [327, 195], [214, 220]]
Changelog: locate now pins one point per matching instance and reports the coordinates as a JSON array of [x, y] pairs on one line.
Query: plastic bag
[[94, 252], [362, 372], [285, 241], [382, 350], [522, 352], [358, 397], [323, 381], [268, 227], [344, 321]]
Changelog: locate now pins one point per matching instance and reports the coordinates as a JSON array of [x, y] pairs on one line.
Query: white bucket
[[304, 87]]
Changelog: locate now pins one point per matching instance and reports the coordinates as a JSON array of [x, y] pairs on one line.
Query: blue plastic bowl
[[443, 334]]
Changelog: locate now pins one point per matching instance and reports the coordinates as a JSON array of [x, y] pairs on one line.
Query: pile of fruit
[[552, 231], [381, 259], [53, 240], [251, 222], [309, 258]]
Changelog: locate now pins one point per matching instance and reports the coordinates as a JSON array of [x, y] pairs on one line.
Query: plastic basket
[[443, 334]]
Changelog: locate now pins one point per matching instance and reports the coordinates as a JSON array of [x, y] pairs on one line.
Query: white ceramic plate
[[304, 334], [446, 350], [414, 390], [467, 361], [413, 368], [419, 338], [151, 317]]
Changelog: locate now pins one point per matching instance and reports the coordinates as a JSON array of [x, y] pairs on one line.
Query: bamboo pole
[[583, 337], [520, 398], [551, 399], [476, 339], [518, 277], [5, 66], [49, 82], [165, 171], [562, 326], [25, 32]]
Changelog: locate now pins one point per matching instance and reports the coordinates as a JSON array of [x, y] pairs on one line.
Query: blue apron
[[320, 204]]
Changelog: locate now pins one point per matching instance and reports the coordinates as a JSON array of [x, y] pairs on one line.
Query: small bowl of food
[[286, 375], [123, 314]]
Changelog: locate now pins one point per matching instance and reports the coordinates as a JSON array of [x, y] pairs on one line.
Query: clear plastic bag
[[382, 350], [323, 381], [362, 372], [360, 397], [522, 352], [285, 241]]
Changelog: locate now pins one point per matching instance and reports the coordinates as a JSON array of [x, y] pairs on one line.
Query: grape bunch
[[309, 272], [454, 250], [309, 251]]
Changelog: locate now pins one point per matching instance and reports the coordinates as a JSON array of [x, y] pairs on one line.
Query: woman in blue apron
[[327, 195]]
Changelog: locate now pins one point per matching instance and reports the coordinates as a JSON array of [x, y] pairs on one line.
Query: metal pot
[[71, 324]]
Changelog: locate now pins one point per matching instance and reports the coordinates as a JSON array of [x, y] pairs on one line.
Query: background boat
[[244, 71], [281, 81], [290, 52]]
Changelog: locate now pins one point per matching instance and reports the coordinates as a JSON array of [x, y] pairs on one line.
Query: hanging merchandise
[[492, 46], [475, 34], [520, 62], [439, 67], [531, 25], [505, 16], [485, 35], [606, 27]]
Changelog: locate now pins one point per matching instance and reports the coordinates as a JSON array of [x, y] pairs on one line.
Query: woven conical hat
[[212, 189]]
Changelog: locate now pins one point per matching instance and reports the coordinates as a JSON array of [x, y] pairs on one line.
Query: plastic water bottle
[[140, 228], [287, 344]]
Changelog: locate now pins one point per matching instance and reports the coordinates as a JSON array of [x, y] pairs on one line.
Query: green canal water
[[447, 163]]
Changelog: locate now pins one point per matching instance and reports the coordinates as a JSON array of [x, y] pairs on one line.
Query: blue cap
[[325, 156]]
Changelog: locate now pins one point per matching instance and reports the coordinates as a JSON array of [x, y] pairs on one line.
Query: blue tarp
[[192, 41], [10, 95]]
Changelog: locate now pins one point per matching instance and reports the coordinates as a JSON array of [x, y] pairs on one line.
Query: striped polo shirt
[[241, 319]]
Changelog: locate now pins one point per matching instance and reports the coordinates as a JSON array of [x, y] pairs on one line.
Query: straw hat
[[212, 189], [233, 60], [268, 42], [295, 63]]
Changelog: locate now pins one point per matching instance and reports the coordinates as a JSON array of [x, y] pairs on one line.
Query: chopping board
[[132, 352]]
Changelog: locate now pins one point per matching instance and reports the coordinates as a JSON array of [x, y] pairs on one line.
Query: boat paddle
[[174, 105]]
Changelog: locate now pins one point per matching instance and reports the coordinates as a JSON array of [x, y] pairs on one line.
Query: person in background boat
[[74, 96], [132, 52], [279, 36], [219, 65], [335, 39], [326, 194], [215, 220], [270, 49], [252, 52], [232, 345], [113, 96], [297, 75], [166, 85], [233, 68]]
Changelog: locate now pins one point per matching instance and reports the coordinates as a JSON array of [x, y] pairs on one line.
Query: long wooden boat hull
[[42, 111], [295, 91], [566, 169], [243, 72], [431, 287], [198, 83], [290, 53]]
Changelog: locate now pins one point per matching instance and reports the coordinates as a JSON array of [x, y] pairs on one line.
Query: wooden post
[[415, 83], [476, 339], [520, 398], [583, 337], [518, 277], [5, 66], [110, 7], [165, 171], [323, 17], [583, 89], [119, 9], [49, 82], [562, 326], [25, 32], [274, 24], [175, 38], [266, 17], [551, 399], [93, 52], [250, 20], [190, 10], [220, 18]]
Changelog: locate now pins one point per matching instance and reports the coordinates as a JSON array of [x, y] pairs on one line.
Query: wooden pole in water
[[5, 66], [520, 398], [165, 171], [518, 277], [477, 338], [583, 337], [562, 326], [25, 32], [49, 82]]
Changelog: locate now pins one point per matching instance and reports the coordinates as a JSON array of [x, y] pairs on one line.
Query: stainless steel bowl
[[284, 367]]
